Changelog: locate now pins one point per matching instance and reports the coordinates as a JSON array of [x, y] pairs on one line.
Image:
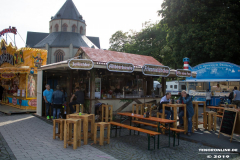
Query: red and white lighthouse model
[[186, 63]]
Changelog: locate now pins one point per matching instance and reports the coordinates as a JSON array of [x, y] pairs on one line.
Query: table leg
[[197, 117], [175, 117], [169, 134], [185, 119], [85, 130], [130, 125], [92, 126], [163, 116]]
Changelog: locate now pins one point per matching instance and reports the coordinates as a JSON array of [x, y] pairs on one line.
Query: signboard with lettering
[[228, 122], [32, 103], [83, 64], [5, 57], [120, 67], [8, 30], [183, 73], [216, 70], [8, 75], [14, 101], [155, 70]]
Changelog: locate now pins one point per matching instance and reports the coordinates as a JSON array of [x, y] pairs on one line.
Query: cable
[[10, 38], [21, 38]]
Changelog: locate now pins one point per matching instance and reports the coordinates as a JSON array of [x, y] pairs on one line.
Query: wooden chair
[[101, 139], [74, 140], [107, 113], [60, 123], [149, 108], [138, 109], [210, 120]]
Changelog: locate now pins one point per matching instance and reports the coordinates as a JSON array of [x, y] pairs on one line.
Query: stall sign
[[83, 64], [32, 103], [7, 75], [8, 30], [6, 58], [14, 101], [120, 67], [155, 70], [183, 73]]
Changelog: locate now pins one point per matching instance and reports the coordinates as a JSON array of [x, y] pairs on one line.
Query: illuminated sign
[[155, 70], [6, 58], [8, 30], [83, 64], [183, 73], [120, 67]]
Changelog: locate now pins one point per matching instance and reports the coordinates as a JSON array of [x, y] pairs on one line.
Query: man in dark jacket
[[57, 100], [186, 99], [79, 99]]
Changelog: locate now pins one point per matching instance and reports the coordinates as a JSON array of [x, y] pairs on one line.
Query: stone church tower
[[67, 32]]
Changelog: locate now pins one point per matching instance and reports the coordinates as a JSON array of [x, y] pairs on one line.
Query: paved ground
[[31, 138]]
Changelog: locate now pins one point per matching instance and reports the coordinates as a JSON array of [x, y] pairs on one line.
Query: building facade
[[67, 32]]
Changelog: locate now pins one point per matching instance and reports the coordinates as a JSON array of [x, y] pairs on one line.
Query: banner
[[155, 70], [82, 64]]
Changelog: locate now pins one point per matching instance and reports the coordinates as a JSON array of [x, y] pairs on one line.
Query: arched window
[[64, 27], [81, 30], [56, 28], [59, 54], [74, 28]]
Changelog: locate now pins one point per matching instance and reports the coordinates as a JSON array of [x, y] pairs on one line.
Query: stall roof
[[99, 55], [212, 80]]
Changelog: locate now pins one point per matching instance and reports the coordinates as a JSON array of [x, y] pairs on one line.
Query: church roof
[[68, 11], [34, 38], [64, 39]]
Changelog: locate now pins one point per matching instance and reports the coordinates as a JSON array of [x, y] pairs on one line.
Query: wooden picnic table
[[85, 118], [175, 106]]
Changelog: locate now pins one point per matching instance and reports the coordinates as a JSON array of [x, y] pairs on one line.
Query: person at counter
[[168, 111], [236, 98], [186, 99], [14, 88], [118, 90], [218, 88], [208, 98], [1, 92], [47, 95], [79, 94]]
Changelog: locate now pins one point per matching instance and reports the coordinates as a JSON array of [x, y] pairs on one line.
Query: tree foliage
[[202, 30]]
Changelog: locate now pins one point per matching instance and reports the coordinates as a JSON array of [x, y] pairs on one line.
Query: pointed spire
[[68, 11]]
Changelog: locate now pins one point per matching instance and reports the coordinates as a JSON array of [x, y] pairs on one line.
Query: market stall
[[18, 75], [218, 77], [109, 77]]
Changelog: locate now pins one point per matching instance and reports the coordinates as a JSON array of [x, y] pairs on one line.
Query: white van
[[175, 87]]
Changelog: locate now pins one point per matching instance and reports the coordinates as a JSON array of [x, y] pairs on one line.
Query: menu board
[[228, 122]]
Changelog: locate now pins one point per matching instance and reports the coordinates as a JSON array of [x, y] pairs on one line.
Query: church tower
[[67, 32]]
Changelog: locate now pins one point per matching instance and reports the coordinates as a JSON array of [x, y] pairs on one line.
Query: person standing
[[186, 99], [1, 93], [47, 95], [168, 111], [208, 98], [58, 99], [236, 97], [79, 94]]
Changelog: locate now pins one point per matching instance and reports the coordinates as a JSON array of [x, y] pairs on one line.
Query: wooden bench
[[175, 131], [151, 134]]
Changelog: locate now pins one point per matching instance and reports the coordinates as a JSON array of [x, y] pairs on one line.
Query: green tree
[[203, 30], [118, 41]]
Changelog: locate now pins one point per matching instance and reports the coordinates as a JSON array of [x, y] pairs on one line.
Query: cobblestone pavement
[[31, 138]]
